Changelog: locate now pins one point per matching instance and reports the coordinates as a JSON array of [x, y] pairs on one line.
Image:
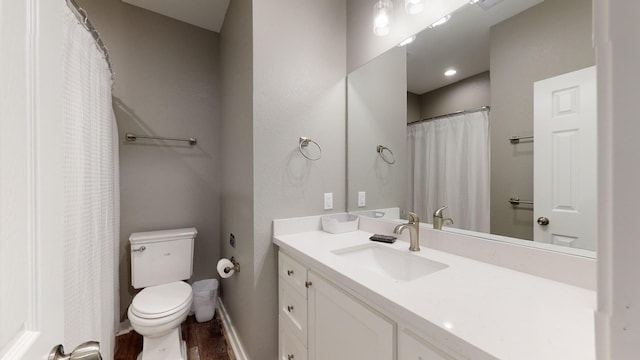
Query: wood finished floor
[[205, 341]]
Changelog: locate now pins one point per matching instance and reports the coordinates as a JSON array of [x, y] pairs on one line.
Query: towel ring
[[304, 142], [380, 149]]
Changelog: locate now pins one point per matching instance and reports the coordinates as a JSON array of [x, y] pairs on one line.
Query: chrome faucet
[[414, 231], [438, 220]]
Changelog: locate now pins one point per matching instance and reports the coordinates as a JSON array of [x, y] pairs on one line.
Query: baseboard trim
[[125, 328], [234, 340]]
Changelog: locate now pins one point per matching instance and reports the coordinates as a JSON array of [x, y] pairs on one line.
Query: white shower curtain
[[450, 167], [91, 193]]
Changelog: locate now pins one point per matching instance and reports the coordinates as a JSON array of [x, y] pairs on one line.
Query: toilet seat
[[163, 300]]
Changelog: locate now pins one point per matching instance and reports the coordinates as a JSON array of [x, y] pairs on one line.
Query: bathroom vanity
[[342, 296]]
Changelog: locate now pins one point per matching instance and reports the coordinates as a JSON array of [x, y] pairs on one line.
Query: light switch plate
[[362, 198], [328, 201]]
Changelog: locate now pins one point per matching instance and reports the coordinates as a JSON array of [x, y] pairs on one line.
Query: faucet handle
[[438, 212], [412, 217]]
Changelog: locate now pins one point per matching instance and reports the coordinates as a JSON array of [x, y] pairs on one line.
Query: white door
[[31, 180], [565, 159], [343, 328]]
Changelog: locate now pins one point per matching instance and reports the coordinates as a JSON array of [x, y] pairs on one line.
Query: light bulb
[[382, 17], [413, 7], [407, 41], [441, 21]]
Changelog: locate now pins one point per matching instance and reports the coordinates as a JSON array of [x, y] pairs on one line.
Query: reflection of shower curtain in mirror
[[91, 194], [449, 166]]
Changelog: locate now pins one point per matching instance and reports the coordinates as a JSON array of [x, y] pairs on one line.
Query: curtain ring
[[304, 142], [380, 150]]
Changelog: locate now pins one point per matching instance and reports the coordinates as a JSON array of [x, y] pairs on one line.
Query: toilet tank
[[160, 257]]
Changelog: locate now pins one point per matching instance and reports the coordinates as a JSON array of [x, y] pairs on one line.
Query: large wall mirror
[[506, 139]]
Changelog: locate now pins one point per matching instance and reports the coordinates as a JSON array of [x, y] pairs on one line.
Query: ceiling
[[462, 43], [208, 14]]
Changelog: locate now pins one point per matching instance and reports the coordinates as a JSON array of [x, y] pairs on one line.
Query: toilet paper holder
[[236, 266]]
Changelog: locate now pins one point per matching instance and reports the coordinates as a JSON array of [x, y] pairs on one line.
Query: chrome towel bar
[[133, 137], [516, 201], [516, 139]]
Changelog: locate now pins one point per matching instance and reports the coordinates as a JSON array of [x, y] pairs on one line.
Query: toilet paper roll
[[222, 264]]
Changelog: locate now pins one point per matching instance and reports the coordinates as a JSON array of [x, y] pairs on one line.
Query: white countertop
[[490, 311]]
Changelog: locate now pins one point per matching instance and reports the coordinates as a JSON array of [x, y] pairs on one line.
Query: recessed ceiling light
[[407, 41], [450, 72], [441, 21]]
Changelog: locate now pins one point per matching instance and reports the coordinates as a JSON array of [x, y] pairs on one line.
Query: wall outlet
[[362, 198], [232, 240], [328, 201]]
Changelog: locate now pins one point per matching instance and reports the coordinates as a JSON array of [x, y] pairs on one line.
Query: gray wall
[[557, 35], [278, 84], [299, 90], [165, 84], [413, 107], [470, 93], [377, 109], [236, 134]]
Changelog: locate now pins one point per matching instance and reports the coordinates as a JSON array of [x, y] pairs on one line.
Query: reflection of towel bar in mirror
[[516, 201], [133, 137], [304, 142], [516, 139], [380, 150]]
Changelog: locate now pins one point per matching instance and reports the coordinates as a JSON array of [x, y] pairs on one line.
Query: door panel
[[31, 182], [565, 161]]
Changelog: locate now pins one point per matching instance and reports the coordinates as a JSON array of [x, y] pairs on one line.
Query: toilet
[[160, 261]]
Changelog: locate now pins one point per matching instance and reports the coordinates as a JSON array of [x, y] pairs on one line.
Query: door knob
[[86, 351], [543, 221]]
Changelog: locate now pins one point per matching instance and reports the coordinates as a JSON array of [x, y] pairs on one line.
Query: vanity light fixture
[[413, 7], [382, 17], [441, 21], [407, 41], [450, 72]]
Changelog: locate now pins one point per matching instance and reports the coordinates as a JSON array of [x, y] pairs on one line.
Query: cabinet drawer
[[293, 311], [290, 348], [293, 273]]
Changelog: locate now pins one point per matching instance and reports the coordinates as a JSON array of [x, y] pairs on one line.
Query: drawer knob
[[290, 308], [308, 284], [289, 272], [290, 357]]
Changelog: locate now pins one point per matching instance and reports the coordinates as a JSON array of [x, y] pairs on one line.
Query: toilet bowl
[[156, 313], [160, 260]]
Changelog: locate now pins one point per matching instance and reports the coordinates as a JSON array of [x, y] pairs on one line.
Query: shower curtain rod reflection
[[84, 20], [482, 108]]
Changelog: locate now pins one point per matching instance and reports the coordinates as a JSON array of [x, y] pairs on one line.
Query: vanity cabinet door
[[411, 347], [343, 328]]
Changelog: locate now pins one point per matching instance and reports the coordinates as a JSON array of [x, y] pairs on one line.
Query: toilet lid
[[162, 300]]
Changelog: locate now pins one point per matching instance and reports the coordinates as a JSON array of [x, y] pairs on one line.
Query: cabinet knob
[[290, 308], [290, 357], [308, 284], [289, 272]]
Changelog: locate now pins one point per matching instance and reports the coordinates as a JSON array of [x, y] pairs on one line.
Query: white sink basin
[[395, 264]]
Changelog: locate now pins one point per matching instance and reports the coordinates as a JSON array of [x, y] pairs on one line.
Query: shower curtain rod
[[451, 114], [82, 17]]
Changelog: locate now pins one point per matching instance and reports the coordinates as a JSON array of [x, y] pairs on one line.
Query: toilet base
[[166, 347]]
